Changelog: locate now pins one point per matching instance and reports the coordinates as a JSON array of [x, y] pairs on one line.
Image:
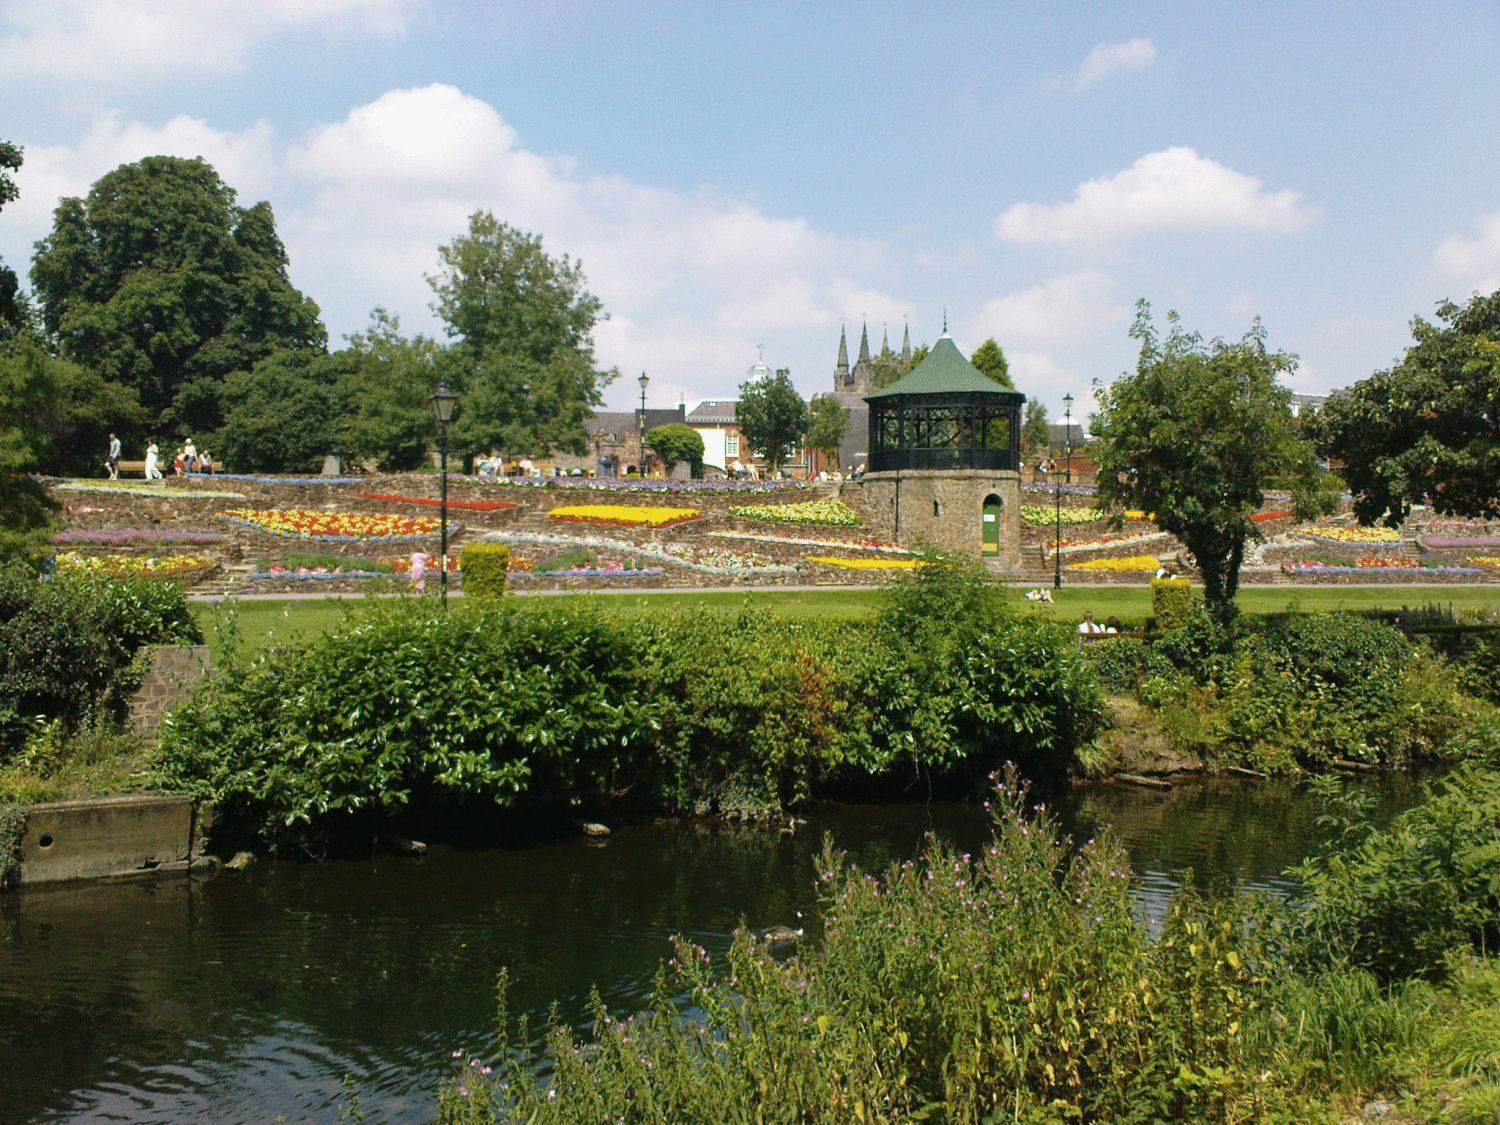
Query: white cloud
[[1473, 261], [1054, 313], [1175, 188], [117, 42], [1112, 58]]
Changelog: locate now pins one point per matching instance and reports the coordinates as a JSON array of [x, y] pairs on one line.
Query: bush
[[67, 647], [677, 441], [1172, 601], [1123, 663], [484, 566]]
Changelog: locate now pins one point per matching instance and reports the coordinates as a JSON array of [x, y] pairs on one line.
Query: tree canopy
[[11, 314], [384, 394], [1194, 434], [1428, 430], [523, 323], [772, 416], [827, 423], [677, 441], [990, 361], [1036, 434], [160, 281], [279, 416]]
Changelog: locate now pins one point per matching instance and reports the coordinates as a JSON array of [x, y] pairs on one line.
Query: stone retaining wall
[[172, 674]]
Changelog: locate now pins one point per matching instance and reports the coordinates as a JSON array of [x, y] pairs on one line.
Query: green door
[[992, 524]]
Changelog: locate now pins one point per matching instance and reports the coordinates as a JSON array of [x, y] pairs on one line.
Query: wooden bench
[[164, 466]]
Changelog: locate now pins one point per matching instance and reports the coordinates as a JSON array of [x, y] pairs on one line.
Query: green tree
[[772, 416], [12, 313], [384, 390], [990, 361], [524, 323], [160, 281], [1194, 434], [280, 415], [1036, 434], [918, 354], [1428, 430], [827, 423], [677, 441], [25, 392]]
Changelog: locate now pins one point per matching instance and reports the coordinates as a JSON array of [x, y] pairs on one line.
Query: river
[[242, 997]]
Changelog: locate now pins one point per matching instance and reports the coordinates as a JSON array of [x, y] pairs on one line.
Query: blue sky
[[737, 174]]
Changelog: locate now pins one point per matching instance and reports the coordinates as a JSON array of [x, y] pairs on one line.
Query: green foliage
[[990, 361], [160, 281], [279, 416], [67, 647], [12, 825], [1395, 901], [1424, 431], [384, 388], [1036, 434], [827, 423], [1124, 663], [484, 566], [312, 560], [11, 309], [1172, 602], [1193, 435], [524, 322], [25, 393], [677, 441], [772, 416]]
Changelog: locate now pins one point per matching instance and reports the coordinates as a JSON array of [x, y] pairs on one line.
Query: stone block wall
[[171, 675], [946, 508]]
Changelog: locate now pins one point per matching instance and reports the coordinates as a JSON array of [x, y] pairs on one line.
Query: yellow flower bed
[[136, 566], [867, 564], [1138, 514], [1484, 560], [628, 515], [1356, 534], [1130, 564]]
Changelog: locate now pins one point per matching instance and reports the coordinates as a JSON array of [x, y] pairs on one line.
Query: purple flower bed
[[122, 535], [1404, 571], [1459, 541], [317, 575], [276, 480], [591, 572], [1065, 489], [669, 487]]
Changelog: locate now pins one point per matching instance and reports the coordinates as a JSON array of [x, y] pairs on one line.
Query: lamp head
[[643, 381], [443, 401], [1068, 403]]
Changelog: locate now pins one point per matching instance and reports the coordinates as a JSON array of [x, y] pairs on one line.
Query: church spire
[[864, 343], [885, 341], [841, 371], [906, 344]]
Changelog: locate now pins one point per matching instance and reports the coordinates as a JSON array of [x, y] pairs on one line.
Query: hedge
[[484, 566]]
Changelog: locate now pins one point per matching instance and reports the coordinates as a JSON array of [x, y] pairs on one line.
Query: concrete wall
[[903, 502], [174, 671], [103, 837]]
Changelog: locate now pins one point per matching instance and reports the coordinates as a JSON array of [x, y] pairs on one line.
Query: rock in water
[[242, 861], [594, 829]]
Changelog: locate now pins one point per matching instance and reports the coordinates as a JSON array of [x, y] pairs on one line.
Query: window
[[936, 511], [731, 444]]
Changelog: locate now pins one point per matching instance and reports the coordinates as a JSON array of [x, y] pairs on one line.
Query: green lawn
[[262, 623]]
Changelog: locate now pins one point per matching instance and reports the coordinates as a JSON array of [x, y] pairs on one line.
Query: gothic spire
[[885, 341], [906, 344], [843, 347], [864, 343]]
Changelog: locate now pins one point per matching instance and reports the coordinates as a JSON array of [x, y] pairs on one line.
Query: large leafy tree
[[827, 423], [990, 361], [1036, 434], [11, 309], [1428, 430], [280, 415], [772, 416], [1194, 434], [160, 281], [384, 390], [523, 323]]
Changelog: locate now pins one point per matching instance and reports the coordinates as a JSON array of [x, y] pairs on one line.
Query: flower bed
[[401, 564], [866, 564], [721, 560], [1126, 564], [1073, 545], [624, 515], [138, 566], [1355, 534], [90, 510], [1039, 515], [427, 501], [1065, 489], [613, 569], [1462, 542], [1295, 568], [120, 536], [1267, 517], [1379, 562], [333, 527], [795, 541], [305, 574], [1139, 515], [647, 550], [251, 478], [123, 488], [830, 511], [1484, 560], [651, 485]]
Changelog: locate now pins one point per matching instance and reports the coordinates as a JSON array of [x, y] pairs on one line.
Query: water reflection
[[248, 996]]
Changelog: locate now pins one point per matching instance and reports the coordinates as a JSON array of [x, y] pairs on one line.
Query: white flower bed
[[794, 541], [723, 564]]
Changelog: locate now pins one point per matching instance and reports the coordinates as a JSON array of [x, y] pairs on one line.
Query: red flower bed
[[465, 505], [1267, 517]]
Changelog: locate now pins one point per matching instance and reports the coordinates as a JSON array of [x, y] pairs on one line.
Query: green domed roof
[[944, 371]]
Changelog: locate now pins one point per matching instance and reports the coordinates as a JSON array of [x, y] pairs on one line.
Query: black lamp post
[[640, 422], [443, 401], [1068, 429], [1057, 535]]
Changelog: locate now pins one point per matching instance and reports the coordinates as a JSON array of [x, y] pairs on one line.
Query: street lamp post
[[640, 423], [1068, 429], [1057, 533], [443, 401]]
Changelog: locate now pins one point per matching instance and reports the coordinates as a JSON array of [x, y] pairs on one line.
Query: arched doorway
[[991, 518]]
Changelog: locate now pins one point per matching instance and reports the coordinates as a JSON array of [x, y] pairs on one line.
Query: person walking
[[419, 571], [153, 471], [190, 456], [112, 461]]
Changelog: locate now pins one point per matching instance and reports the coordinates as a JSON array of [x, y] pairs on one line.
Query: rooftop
[[944, 371]]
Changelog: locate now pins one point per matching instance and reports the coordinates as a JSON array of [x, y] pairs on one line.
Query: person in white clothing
[[1088, 626], [190, 456], [153, 472]]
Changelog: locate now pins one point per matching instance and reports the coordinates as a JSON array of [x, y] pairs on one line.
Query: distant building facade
[[616, 440]]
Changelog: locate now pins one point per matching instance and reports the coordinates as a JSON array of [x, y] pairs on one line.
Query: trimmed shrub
[[484, 566], [1172, 601], [677, 441]]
